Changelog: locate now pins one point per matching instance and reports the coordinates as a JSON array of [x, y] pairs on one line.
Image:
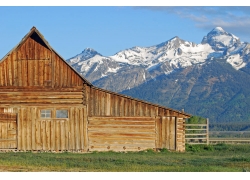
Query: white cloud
[[234, 19]]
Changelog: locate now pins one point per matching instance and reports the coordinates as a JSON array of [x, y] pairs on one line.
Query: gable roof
[[32, 31]]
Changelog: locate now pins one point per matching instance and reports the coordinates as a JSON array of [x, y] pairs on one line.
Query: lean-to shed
[[45, 105]]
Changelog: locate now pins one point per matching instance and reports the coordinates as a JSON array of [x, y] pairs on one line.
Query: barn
[[46, 105]]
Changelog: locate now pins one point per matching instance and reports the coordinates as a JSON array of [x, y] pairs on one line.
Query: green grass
[[197, 158]]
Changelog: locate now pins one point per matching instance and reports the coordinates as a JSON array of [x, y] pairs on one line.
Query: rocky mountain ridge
[[137, 65]]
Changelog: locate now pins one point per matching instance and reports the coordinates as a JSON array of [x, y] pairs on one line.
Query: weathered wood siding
[[105, 103], [52, 134], [34, 77], [33, 64], [180, 135], [8, 131], [115, 108], [39, 97], [121, 133]]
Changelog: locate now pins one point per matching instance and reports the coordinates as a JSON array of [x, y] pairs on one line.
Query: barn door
[[8, 131], [166, 133]]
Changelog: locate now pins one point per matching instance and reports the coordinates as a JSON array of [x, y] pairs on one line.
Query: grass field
[[197, 158]]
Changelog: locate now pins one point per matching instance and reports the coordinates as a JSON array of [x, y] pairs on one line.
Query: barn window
[[61, 113], [45, 113]]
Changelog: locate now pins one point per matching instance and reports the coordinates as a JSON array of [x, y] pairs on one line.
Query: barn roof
[[32, 31]]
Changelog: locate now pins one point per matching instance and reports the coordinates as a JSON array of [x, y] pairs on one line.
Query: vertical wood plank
[[19, 129], [163, 132], [95, 102], [1, 126], [36, 73], [168, 132], [85, 129], [48, 135], [7, 71], [112, 100], [33, 128], [15, 83], [29, 128], [62, 135], [157, 132], [57, 133], [4, 134], [41, 72], [24, 130], [53, 135], [172, 133], [38, 134], [1, 132], [81, 133], [132, 108], [160, 132], [43, 135], [91, 101], [1, 75], [77, 128], [108, 104], [125, 104], [65, 73], [10, 70], [72, 128], [69, 77], [128, 107], [19, 72], [102, 103], [67, 135], [121, 106]]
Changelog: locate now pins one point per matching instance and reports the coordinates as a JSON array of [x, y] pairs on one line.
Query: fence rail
[[229, 141], [199, 134]]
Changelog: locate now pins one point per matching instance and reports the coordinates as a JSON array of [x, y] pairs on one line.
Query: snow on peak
[[87, 53], [166, 56], [218, 30], [220, 40]]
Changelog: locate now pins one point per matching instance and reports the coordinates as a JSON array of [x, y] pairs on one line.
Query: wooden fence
[[197, 133]]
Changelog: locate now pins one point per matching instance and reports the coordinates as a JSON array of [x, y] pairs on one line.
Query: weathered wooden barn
[[45, 105]]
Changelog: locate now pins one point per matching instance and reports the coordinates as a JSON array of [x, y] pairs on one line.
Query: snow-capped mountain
[[132, 67]]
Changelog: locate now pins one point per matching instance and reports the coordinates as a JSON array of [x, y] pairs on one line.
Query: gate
[[8, 131]]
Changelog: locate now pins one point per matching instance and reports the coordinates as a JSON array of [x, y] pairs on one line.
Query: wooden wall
[[8, 131], [39, 97], [52, 134], [105, 103], [105, 107], [166, 126], [180, 135], [33, 64], [121, 133]]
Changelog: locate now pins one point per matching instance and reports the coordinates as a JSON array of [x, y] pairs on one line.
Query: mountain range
[[210, 79]]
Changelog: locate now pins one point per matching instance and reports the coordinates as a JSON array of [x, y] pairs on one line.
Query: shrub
[[164, 150], [199, 147]]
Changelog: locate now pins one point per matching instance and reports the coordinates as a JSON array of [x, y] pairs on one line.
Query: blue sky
[[108, 29]]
